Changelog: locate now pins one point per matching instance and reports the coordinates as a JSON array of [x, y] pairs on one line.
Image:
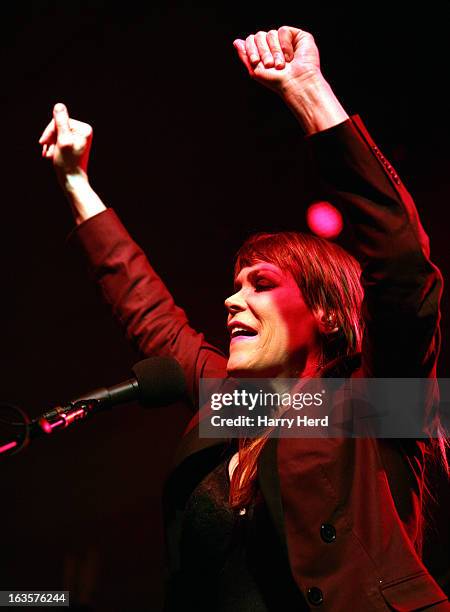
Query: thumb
[[61, 117], [239, 45]]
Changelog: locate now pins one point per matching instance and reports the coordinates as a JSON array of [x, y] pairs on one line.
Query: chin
[[243, 370], [240, 370]]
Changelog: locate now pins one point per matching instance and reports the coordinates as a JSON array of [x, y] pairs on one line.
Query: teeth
[[239, 330]]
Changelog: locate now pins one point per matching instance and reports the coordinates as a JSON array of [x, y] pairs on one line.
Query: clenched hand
[[280, 59]]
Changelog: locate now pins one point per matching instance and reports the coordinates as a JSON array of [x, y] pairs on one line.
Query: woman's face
[[273, 332]]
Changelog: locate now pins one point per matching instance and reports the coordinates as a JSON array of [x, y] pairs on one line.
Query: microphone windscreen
[[161, 381]]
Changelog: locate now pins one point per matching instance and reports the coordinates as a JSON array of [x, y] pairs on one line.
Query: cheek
[[279, 319], [297, 326], [278, 333]]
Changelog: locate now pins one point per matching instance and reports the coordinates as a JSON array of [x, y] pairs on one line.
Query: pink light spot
[[7, 447], [45, 425], [324, 220]]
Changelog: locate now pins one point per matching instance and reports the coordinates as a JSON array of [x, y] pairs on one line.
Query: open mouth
[[242, 332]]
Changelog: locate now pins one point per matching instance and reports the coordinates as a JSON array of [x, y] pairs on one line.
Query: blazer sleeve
[[402, 287], [141, 302]]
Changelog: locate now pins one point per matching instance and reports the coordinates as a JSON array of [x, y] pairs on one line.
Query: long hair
[[328, 278]]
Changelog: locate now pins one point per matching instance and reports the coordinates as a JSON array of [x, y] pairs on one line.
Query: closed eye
[[263, 285]]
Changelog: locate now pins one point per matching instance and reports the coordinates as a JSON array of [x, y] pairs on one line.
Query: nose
[[235, 303]]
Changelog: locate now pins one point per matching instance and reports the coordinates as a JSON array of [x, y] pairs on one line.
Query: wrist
[[314, 103], [73, 182], [84, 201]]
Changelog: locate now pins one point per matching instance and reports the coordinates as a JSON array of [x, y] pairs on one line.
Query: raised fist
[[280, 59]]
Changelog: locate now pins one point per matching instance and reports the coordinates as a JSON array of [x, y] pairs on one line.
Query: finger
[[252, 50], [239, 45], [81, 128], [61, 117], [263, 49], [50, 151], [275, 49], [286, 37], [49, 134]]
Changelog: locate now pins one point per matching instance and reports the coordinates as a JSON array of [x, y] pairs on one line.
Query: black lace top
[[229, 559]]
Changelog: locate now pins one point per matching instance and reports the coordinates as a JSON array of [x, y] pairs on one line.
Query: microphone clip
[[63, 416]]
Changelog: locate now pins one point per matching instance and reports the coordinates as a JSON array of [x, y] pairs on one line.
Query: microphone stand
[[57, 418], [63, 416]]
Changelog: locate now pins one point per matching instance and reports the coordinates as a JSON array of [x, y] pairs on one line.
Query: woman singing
[[271, 523]]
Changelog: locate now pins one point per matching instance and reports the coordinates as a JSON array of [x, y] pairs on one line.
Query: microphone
[[157, 381]]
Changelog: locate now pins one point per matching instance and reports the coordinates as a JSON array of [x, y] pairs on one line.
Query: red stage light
[[324, 220]]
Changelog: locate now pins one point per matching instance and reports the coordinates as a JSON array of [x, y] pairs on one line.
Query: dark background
[[193, 156]]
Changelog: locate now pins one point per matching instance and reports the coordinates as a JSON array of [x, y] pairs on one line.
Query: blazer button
[[314, 596], [327, 533]]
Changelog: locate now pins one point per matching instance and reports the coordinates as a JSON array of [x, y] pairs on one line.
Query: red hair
[[329, 279]]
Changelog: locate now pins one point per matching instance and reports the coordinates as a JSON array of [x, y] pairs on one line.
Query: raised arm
[[402, 287], [138, 298]]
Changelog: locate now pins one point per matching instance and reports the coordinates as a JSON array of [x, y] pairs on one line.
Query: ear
[[326, 321]]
